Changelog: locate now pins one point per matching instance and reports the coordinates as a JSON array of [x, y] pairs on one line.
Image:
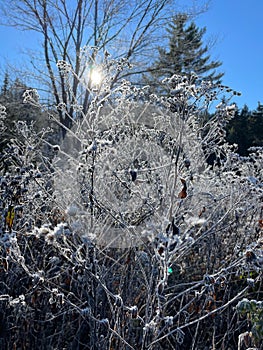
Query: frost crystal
[[31, 96], [64, 67]]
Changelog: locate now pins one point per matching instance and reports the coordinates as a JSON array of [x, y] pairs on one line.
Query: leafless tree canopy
[[123, 28]]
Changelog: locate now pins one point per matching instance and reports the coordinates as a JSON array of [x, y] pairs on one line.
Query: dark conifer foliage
[[11, 96], [185, 54], [246, 129]]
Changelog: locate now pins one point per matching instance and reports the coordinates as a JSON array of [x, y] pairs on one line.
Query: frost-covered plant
[[2, 118], [25, 182], [253, 311], [152, 242], [135, 170]]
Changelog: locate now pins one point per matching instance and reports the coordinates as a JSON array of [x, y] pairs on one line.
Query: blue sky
[[237, 27]]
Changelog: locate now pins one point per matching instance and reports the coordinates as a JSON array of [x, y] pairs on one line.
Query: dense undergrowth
[[124, 236]]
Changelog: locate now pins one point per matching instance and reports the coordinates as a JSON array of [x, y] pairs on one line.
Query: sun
[[96, 76]]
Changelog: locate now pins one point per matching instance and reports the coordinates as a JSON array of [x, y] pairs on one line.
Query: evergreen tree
[[256, 127], [237, 130], [11, 97], [4, 89], [246, 129], [186, 54]]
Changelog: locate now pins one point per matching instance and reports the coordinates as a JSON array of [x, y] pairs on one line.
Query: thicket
[[123, 236]]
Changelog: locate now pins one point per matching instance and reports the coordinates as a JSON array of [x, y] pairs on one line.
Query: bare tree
[[124, 28]]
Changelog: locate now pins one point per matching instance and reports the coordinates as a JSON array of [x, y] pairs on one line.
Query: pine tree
[[11, 97], [5, 87], [246, 129], [186, 54]]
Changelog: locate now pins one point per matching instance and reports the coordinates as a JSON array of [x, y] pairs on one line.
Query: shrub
[[135, 241]]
